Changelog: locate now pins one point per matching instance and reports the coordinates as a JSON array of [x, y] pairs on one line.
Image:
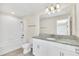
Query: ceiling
[[25, 9]]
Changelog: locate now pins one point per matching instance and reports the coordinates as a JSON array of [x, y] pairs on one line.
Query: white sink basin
[[50, 38]]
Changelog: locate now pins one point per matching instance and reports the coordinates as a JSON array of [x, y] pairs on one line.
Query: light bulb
[[52, 8], [46, 10], [57, 6], [12, 12]]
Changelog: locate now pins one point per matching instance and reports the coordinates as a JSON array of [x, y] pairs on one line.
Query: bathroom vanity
[[55, 46]]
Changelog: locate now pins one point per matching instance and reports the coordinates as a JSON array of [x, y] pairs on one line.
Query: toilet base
[[26, 48], [25, 51]]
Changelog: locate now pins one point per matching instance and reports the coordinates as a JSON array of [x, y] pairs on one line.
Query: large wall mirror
[[61, 23]]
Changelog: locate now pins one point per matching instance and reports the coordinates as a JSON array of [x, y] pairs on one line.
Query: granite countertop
[[63, 39]]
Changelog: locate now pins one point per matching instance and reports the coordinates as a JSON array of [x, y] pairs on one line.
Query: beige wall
[[73, 19], [31, 27], [48, 26], [77, 20]]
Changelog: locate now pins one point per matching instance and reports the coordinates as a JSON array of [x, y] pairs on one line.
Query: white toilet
[[26, 48]]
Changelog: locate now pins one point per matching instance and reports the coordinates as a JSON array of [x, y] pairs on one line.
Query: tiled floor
[[28, 54], [18, 52]]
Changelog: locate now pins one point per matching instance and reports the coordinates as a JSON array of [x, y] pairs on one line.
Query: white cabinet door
[[40, 47], [53, 50], [43, 48], [65, 52]]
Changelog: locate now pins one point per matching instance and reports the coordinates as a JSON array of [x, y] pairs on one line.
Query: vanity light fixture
[[53, 8]]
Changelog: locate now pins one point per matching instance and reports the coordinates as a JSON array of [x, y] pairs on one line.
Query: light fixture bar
[[53, 8]]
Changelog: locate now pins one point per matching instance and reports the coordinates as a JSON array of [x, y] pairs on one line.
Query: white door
[[19, 31]]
